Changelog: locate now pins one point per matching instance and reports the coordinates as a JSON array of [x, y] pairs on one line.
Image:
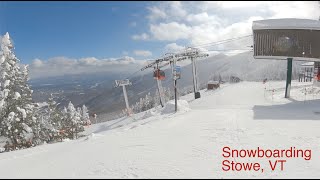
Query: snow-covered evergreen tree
[[16, 107], [136, 107], [156, 99], [85, 118], [27, 107], [168, 95], [72, 122], [147, 102], [63, 131], [56, 116], [51, 122]]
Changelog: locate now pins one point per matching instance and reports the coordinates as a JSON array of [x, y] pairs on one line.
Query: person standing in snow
[[94, 115], [265, 80]]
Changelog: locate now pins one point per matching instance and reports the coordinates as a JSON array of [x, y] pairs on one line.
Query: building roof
[[287, 23], [308, 64], [213, 82]]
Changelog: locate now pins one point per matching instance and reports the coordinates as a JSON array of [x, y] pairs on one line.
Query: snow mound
[[183, 106], [92, 136], [149, 113]]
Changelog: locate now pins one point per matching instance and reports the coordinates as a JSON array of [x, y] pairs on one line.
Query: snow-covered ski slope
[[188, 144]]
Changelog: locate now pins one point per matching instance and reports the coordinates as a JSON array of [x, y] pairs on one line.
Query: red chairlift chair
[[318, 75], [159, 74]]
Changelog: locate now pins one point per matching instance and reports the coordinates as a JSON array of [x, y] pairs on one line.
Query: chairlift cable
[[203, 45]]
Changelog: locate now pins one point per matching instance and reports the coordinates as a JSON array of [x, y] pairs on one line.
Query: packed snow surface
[[188, 144]]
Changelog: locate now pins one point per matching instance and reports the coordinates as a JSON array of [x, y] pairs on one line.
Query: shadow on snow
[[295, 110]]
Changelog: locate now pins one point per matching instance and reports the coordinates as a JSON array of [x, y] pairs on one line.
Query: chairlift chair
[[159, 74]]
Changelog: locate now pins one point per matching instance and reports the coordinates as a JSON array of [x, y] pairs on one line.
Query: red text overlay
[[276, 158]]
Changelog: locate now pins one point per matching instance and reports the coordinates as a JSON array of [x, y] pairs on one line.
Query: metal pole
[[158, 84], [194, 76], [197, 78], [175, 86], [195, 82], [126, 98], [171, 64], [160, 92], [289, 74], [175, 96]]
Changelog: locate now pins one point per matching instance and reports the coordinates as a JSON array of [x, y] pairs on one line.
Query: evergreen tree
[[63, 131], [55, 117], [51, 122], [147, 102], [72, 121], [168, 95], [156, 99], [85, 116], [16, 107]]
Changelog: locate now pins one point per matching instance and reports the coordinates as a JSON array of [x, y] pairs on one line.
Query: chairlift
[[159, 74], [318, 75]]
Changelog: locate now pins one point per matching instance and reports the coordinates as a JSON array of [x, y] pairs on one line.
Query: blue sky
[[62, 37], [74, 29]]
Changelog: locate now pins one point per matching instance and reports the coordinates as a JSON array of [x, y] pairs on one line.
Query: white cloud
[[142, 53], [170, 31], [62, 61], [156, 13], [203, 18], [173, 47], [91, 61], [296, 9], [37, 63], [176, 9], [167, 10], [143, 36], [206, 22], [58, 66], [239, 4]]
